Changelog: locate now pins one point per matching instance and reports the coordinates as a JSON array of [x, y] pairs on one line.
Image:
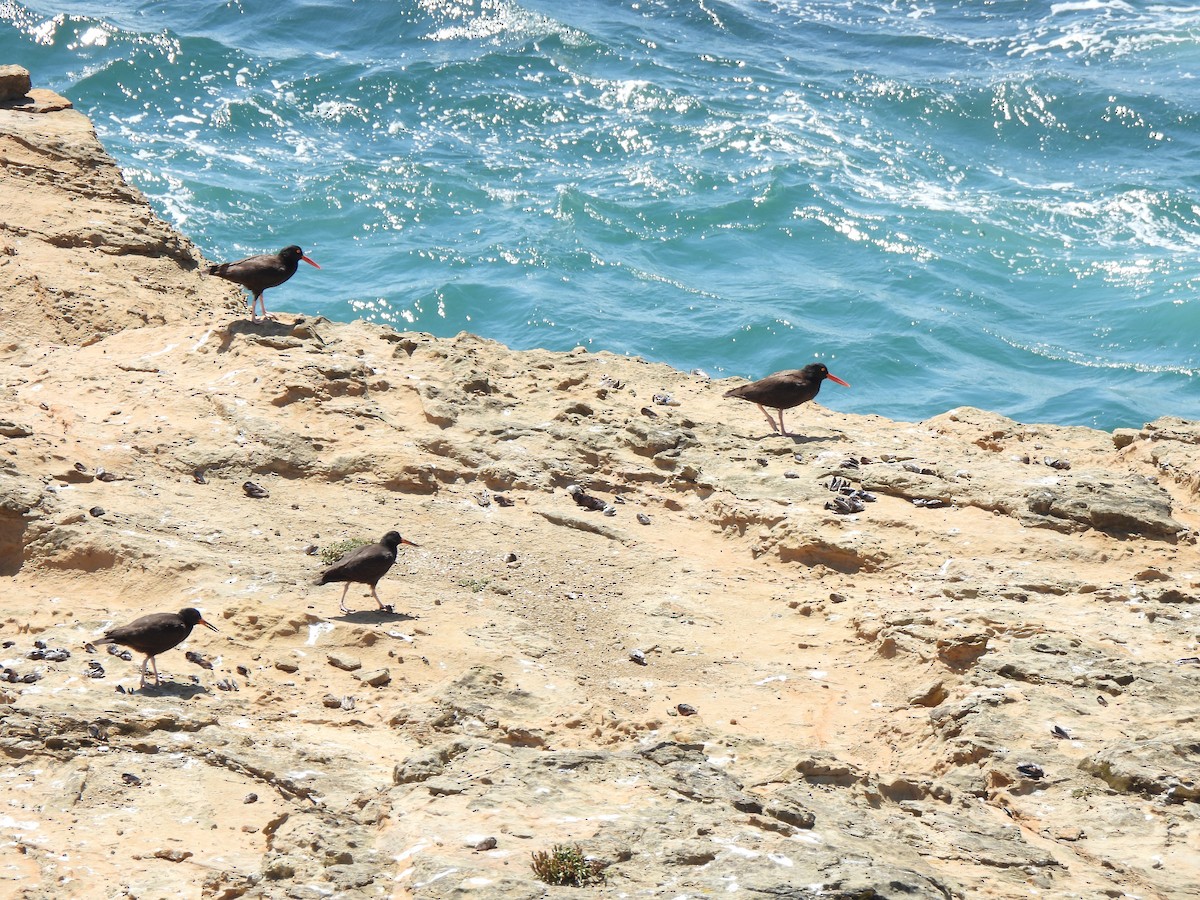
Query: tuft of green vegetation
[[334, 552], [566, 865], [475, 584]]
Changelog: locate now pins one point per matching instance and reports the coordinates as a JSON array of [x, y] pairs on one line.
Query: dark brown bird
[[783, 390], [257, 273], [365, 565], [154, 634]]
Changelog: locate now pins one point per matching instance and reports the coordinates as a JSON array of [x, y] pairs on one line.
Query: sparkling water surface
[[993, 204]]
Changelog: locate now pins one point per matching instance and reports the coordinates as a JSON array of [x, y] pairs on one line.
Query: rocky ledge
[[953, 658]]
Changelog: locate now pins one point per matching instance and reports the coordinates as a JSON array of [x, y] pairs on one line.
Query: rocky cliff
[[956, 658]]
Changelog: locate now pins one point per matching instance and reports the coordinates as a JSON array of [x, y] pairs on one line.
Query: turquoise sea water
[[989, 203]]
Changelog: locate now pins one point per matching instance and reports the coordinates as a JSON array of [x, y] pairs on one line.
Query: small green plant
[[566, 865], [475, 584], [334, 552]]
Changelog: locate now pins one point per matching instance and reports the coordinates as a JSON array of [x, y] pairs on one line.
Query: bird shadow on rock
[[811, 438], [373, 617], [169, 689], [794, 438], [261, 328]]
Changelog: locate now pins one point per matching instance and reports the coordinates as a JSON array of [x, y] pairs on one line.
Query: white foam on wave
[[1090, 361]]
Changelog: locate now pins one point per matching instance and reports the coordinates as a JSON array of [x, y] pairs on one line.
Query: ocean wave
[[889, 184], [1086, 360]]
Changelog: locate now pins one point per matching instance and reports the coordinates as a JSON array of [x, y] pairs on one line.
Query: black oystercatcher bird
[[257, 273], [365, 565], [154, 634], [783, 390]]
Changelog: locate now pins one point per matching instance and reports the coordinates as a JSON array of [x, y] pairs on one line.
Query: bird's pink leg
[[144, 662], [782, 430], [345, 608], [768, 415], [376, 596]]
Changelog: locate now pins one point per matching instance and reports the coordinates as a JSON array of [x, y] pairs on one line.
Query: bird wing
[[266, 270], [361, 560]]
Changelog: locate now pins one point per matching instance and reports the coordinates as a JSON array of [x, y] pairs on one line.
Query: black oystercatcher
[[155, 634], [783, 390], [257, 273], [365, 565]]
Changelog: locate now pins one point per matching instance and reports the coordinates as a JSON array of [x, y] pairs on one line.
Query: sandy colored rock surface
[[982, 684]]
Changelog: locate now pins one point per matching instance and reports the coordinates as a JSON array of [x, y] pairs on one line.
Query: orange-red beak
[[833, 377], [310, 262], [206, 625]]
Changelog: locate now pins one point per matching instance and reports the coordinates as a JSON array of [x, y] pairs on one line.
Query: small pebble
[[250, 798], [845, 505], [686, 709], [643, 518], [255, 491], [172, 855], [638, 656], [193, 657], [131, 779], [1030, 770], [96, 512]]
